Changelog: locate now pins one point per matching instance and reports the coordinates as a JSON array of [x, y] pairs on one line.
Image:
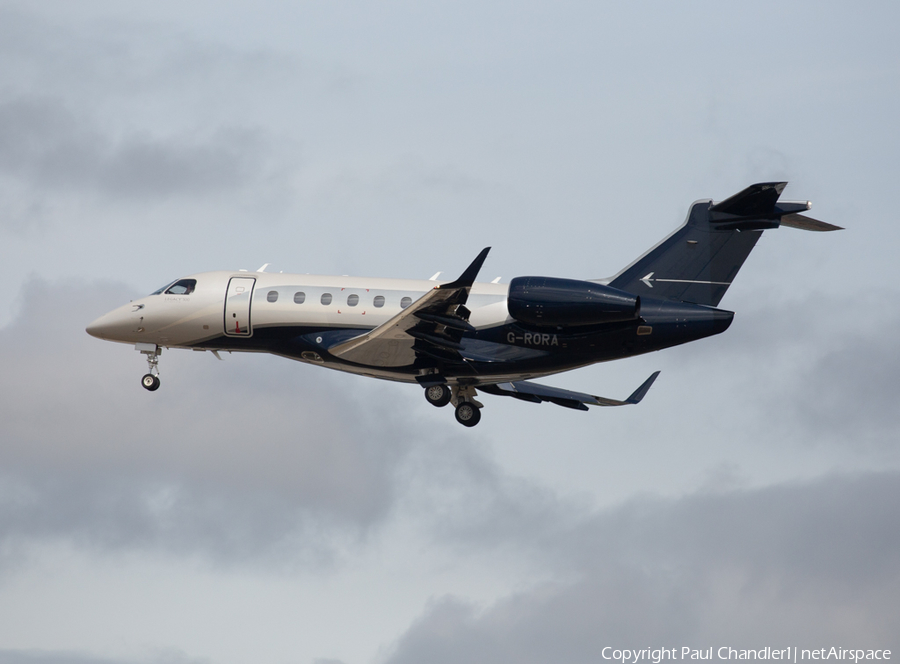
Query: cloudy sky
[[261, 510]]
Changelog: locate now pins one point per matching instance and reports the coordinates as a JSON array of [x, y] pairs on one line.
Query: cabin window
[[352, 300], [182, 287], [299, 297], [405, 302], [326, 298], [272, 296], [379, 301]]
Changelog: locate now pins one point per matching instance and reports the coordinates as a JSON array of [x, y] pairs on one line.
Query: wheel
[[438, 395], [150, 382], [468, 414]]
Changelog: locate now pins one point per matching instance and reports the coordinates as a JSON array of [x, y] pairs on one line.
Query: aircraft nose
[[114, 326], [100, 328], [94, 329]]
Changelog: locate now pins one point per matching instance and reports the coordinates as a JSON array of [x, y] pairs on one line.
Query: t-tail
[[698, 262]]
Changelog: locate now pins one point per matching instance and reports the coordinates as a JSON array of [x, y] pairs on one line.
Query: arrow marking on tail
[[647, 279], [695, 281]]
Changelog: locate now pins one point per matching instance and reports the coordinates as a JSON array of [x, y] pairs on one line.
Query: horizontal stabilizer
[[757, 200], [805, 223], [536, 393]]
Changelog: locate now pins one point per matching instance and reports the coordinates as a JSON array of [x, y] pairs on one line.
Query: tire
[[468, 414], [150, 382], [438, 395]]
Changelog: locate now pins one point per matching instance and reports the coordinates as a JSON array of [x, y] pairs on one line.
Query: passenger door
[[237, 306]]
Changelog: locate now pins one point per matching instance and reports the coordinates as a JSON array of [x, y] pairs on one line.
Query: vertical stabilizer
[[698, 262]]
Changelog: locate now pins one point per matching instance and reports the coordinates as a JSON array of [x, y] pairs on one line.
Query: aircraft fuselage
[[302, 316]]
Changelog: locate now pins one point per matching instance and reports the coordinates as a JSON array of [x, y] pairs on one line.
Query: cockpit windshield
[[159, 292], [180, 287]]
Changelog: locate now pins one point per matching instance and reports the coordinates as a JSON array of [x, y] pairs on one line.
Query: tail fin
[[698, 262]]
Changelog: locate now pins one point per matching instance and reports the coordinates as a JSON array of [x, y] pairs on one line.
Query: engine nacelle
[[549, 301]]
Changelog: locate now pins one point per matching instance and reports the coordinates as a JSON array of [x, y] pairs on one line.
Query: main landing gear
[[150, 380], [438, 395], [467, 413], [468, 410]]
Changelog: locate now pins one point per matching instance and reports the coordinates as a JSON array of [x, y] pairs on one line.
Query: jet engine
[[547, 301]]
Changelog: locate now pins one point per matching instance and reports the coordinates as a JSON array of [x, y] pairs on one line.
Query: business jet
[[454, 338]]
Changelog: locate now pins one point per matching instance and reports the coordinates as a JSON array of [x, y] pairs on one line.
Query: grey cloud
[[245, 459], [852, 391], [111, 60], [844, 394], [806, 565], [820, 371], [470, 504], [116, 110], [45, 145]]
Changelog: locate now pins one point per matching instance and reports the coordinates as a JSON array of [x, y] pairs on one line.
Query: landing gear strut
[[150, 381]]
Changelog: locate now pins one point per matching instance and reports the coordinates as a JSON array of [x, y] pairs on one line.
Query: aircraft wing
[[432, 326], [536, 393]]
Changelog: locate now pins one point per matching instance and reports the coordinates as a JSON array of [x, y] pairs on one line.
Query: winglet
[[467, 278], [641, 392]]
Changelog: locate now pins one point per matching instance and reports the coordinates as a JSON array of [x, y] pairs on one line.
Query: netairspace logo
[[789, 654]]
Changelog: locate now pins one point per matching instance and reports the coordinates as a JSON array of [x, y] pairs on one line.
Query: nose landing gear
[[150, 380]]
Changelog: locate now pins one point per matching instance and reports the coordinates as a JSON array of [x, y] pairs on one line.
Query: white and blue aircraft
[[455, 338]]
